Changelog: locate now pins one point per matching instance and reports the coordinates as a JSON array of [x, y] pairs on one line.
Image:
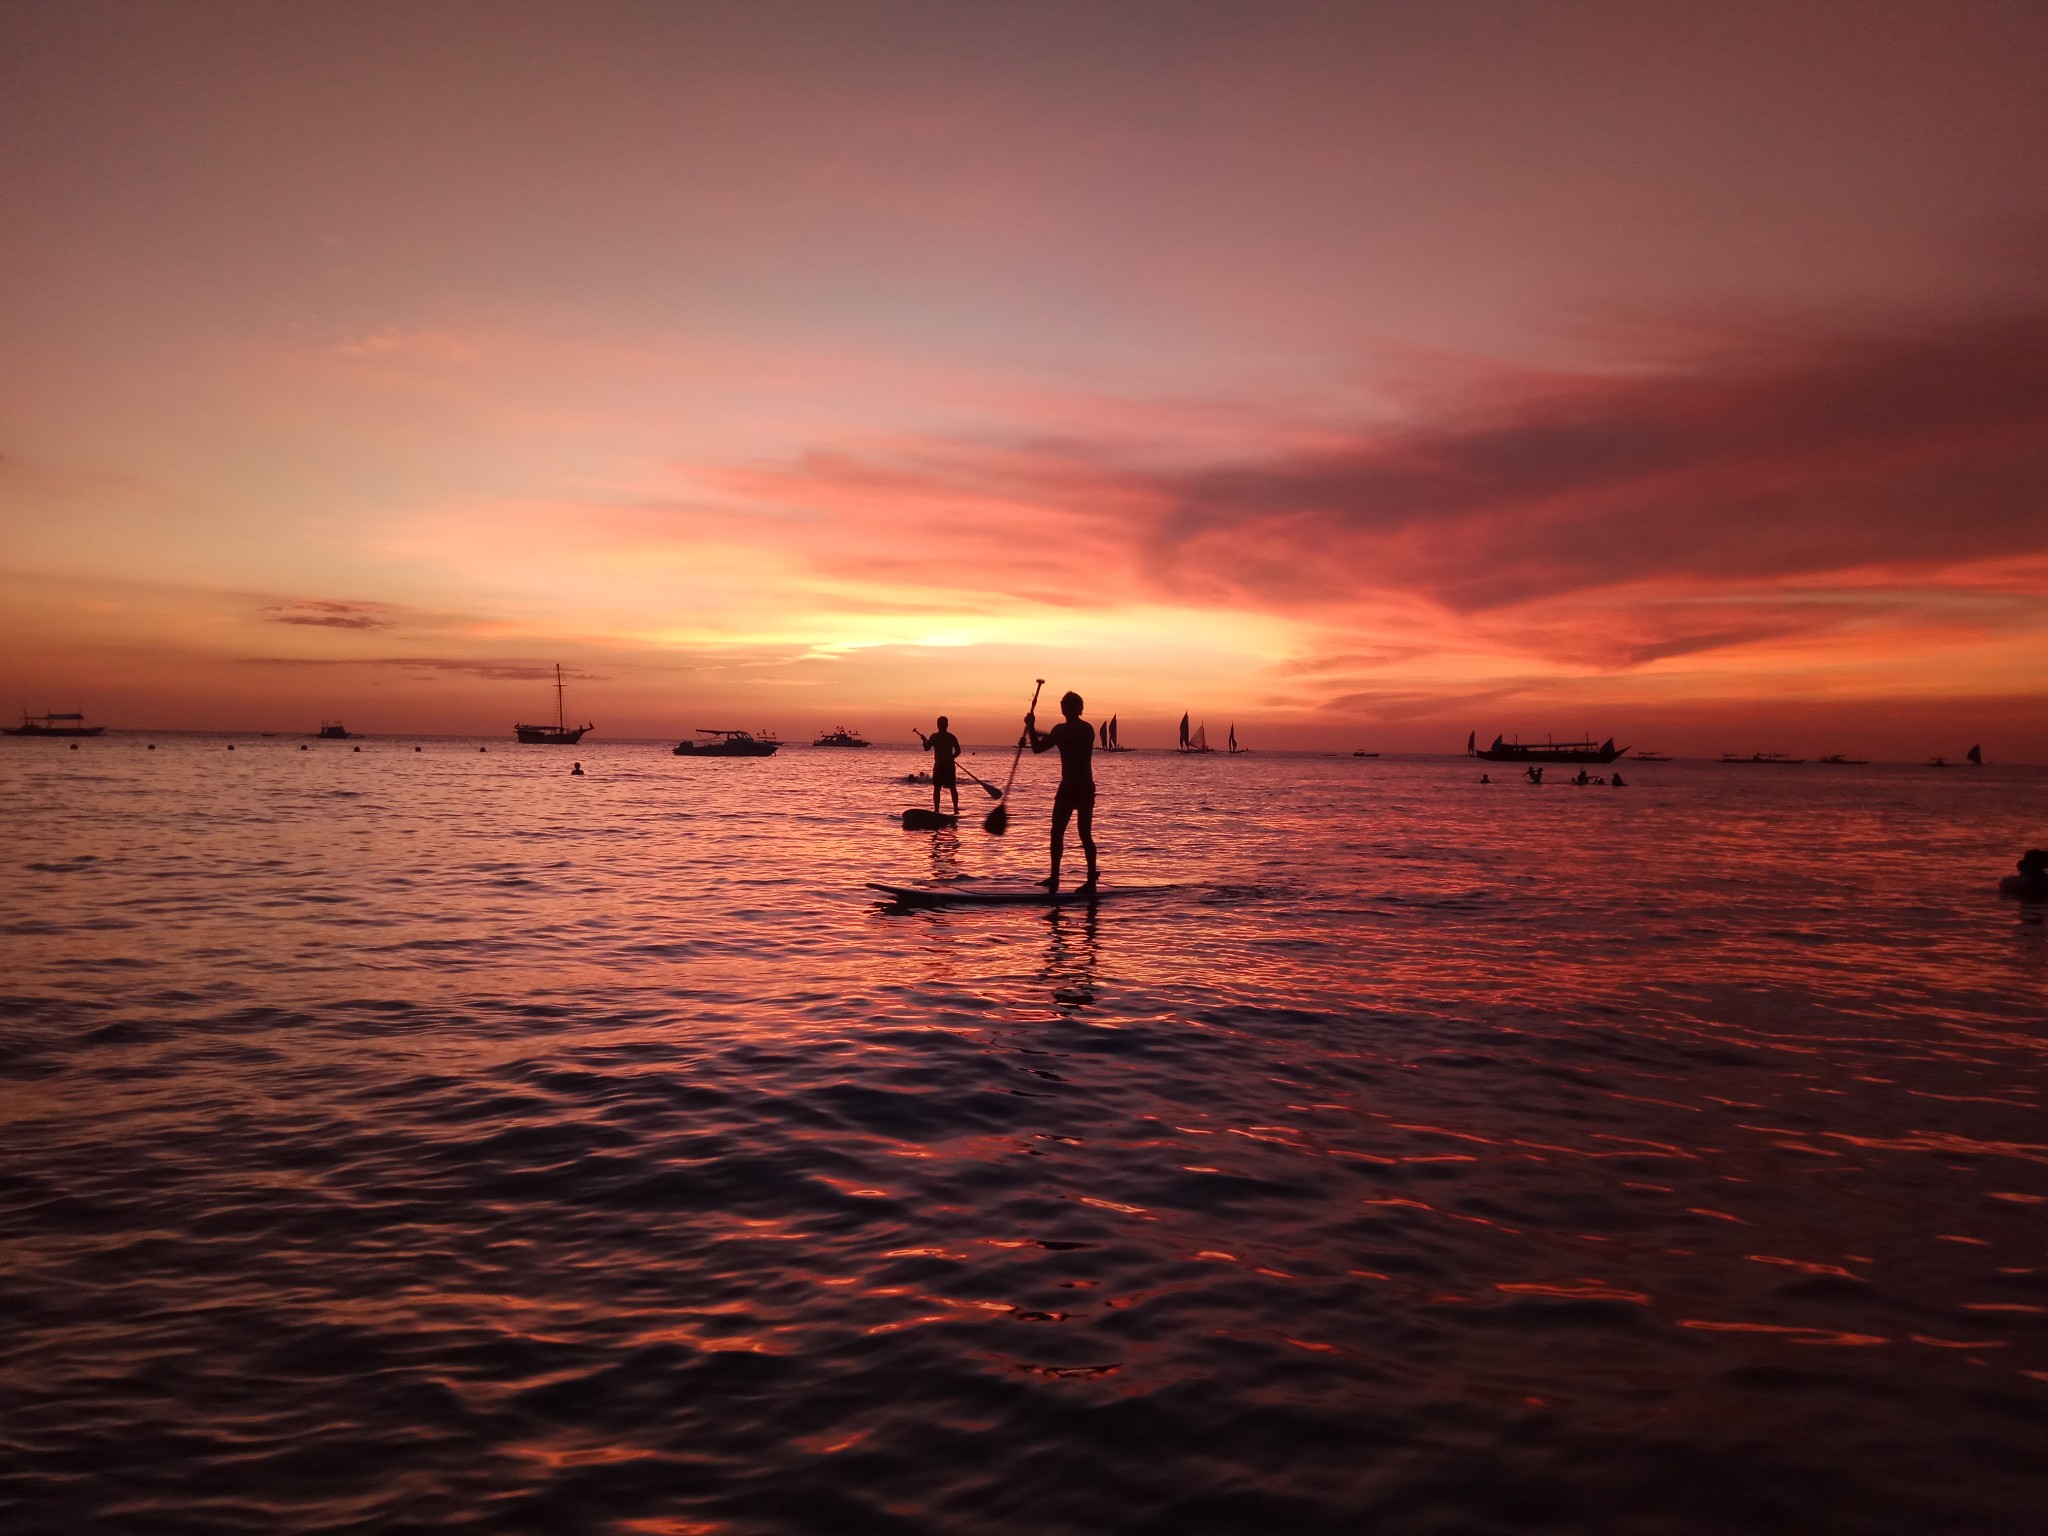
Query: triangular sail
[[1199, 742], [1977, 756], [1113, 741], [1233, 735], [1183, 732]]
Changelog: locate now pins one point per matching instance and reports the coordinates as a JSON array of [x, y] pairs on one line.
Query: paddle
[[998, 820], [993, 792]]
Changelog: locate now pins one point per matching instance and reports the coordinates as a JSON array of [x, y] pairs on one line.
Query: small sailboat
[[1976, 756], [1196, 740], [1235, 749], [561, 733]]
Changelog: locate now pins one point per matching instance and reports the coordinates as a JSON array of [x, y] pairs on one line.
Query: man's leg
[[1061, 813], [1086, 826]]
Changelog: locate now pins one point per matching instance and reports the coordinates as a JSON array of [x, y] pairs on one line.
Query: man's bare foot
[[1090, 883], [1050, 882]]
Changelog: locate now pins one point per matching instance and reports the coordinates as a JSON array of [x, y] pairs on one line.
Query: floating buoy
[[355, 749], [415, 749], [152, 746], [305, 749], [483, 749], [74, 746], [231, 749]]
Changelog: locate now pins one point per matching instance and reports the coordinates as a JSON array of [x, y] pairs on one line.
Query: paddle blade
[[997, 821], [990, 790]]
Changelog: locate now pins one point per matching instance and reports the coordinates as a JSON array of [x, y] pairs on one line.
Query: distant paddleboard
[[1005, 893], [917, 820]]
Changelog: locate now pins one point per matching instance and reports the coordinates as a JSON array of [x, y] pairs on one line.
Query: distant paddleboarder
[[1075, 739], [944, 747]]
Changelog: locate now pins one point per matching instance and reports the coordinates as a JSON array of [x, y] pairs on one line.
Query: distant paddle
[[998, 820], [993, 792]]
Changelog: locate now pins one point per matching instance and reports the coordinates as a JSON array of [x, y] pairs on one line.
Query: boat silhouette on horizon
[[561, 733], [728, 744], [1503, 751], [46, 724]]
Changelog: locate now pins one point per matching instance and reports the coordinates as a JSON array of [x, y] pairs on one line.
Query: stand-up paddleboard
[[916, 819], [1006, 893]]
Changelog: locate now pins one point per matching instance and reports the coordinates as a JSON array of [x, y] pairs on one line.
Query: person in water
[[944, 747], [1533, 775], [576, 771], [1075, 800]]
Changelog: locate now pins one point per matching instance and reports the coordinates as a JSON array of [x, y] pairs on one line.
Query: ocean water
[[433, 1142]]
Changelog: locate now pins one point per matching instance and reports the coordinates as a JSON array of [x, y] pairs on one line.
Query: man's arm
[[1041, 741]]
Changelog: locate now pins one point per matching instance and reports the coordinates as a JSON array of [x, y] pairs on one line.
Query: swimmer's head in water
[[1070, 705], [2034, 862], [942, 722]]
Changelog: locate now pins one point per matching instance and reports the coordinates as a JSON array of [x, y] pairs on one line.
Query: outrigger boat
[[334, 732], [1109, 740], [561, 733], [1544, 751], [840, 736], [1836, 760], [1763, 759], [728, 744], [49, 725], [1649, 757], [1195, 741]]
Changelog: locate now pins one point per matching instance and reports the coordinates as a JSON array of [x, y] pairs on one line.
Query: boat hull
[[51, 730], [1508, 752], [726, 749], [550, 735]]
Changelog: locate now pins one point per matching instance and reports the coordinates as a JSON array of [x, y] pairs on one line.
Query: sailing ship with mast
[[1195, 741], [561, 733], [1235, 749], [1109, 740]]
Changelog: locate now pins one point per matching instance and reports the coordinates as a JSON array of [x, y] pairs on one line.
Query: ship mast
[[561, 720]]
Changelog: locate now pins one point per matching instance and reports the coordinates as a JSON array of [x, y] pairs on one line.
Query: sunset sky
[[1364, 374]]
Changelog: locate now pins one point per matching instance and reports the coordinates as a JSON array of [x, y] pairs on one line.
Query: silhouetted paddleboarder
[[944, 747], [1075, 739]]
